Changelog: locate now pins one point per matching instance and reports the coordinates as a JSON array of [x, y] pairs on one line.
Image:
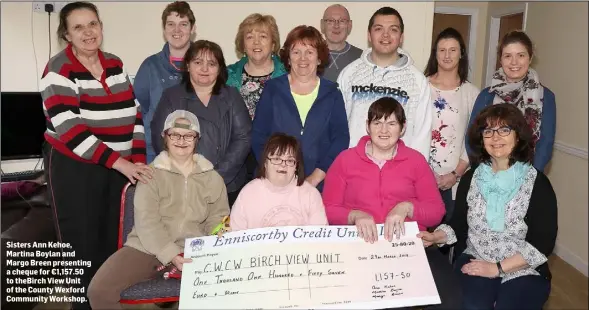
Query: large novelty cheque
[[318, 267]]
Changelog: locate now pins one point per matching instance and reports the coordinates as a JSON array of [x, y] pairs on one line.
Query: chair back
[[127, 217]]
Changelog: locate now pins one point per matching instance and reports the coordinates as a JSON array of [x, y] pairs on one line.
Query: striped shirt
[[90, 120]]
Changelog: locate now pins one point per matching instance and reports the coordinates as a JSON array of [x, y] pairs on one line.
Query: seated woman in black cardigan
[[505, 221]]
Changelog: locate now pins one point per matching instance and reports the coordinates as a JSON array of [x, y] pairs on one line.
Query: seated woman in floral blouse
[[505, 219]]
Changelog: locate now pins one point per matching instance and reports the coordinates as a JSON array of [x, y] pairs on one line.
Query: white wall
[[132, 31], [568, 171]]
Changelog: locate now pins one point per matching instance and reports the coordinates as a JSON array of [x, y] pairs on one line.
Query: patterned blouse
[[452, 109], [491, 246], [251, 90]]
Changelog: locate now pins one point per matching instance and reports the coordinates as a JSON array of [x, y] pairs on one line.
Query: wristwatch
[[456, 175], [501, 272]]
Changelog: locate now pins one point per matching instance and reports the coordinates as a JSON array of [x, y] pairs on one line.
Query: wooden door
[[458, 22], [508, 23]]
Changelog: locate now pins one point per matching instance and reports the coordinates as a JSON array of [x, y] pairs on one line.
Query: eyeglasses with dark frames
[[187, 138], [279, 161], [502, 132]]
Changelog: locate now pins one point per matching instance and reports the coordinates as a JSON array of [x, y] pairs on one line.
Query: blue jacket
[[154, 76], [235, 71], [545, 144], [325, 133]]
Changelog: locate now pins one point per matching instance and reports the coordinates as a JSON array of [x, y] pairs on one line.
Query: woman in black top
[[505, 222], [225, 125]]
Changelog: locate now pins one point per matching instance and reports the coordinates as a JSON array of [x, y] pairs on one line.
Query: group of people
[[327, 133]]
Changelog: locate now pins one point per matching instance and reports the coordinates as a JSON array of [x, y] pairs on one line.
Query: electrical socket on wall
[[39, 6]]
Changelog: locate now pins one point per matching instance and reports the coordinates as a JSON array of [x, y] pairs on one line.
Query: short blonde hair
[[256, 21]]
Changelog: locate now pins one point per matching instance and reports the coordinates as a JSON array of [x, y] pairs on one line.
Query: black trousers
[[85, 200], [250, 165], [447, 282]]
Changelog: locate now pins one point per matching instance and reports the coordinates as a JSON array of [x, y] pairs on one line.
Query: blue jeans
[[448, 203], [526, 292]]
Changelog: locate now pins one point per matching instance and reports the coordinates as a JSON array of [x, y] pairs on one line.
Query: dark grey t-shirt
[[338, 60]]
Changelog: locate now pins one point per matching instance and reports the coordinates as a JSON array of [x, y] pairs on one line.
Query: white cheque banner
[[306, 267]]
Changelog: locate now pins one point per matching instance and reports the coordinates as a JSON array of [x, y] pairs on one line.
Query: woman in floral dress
[[453, 98]]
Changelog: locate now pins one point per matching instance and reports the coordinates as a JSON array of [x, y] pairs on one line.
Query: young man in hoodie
[[164, 69], [387, 70]]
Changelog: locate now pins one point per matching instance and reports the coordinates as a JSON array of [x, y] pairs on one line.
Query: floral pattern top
[[452, 110], [491, 246], [251, 90]]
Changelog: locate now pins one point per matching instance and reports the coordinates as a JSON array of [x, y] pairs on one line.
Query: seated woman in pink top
[[382, 181], [280, 196]]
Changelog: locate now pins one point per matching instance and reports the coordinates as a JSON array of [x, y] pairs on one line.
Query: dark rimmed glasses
[[502, 132], [278, 161], [177, 136]]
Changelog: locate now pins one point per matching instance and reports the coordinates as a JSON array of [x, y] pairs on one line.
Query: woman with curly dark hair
[[505, 221]]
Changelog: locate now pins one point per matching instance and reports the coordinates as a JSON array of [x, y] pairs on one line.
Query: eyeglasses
[[503, 132], [177, 136], [279, 161], [332, 22]]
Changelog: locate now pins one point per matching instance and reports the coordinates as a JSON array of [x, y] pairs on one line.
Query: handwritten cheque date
[[301, 275]]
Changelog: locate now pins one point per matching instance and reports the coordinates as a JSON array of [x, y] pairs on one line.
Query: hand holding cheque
[[394, 225], [319, 267]]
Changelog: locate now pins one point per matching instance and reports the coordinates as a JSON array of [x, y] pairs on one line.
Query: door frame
[[472, 32], [494, 26]]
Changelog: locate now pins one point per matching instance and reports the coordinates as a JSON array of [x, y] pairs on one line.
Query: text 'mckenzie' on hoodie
[[363, 82]]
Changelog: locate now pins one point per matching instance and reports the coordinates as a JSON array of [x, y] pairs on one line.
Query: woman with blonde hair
[[257, 44]]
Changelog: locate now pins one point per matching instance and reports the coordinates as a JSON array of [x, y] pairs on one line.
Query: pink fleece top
[[354, 182], [262, 204]]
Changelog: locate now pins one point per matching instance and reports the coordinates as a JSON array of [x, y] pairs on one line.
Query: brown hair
[[385, 107], [280, 144], [307, 35], [515, 36], [432, 64], [65, 13], [197, 48], [386, 11], [257, 21], [182, 8], [503, 114]]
